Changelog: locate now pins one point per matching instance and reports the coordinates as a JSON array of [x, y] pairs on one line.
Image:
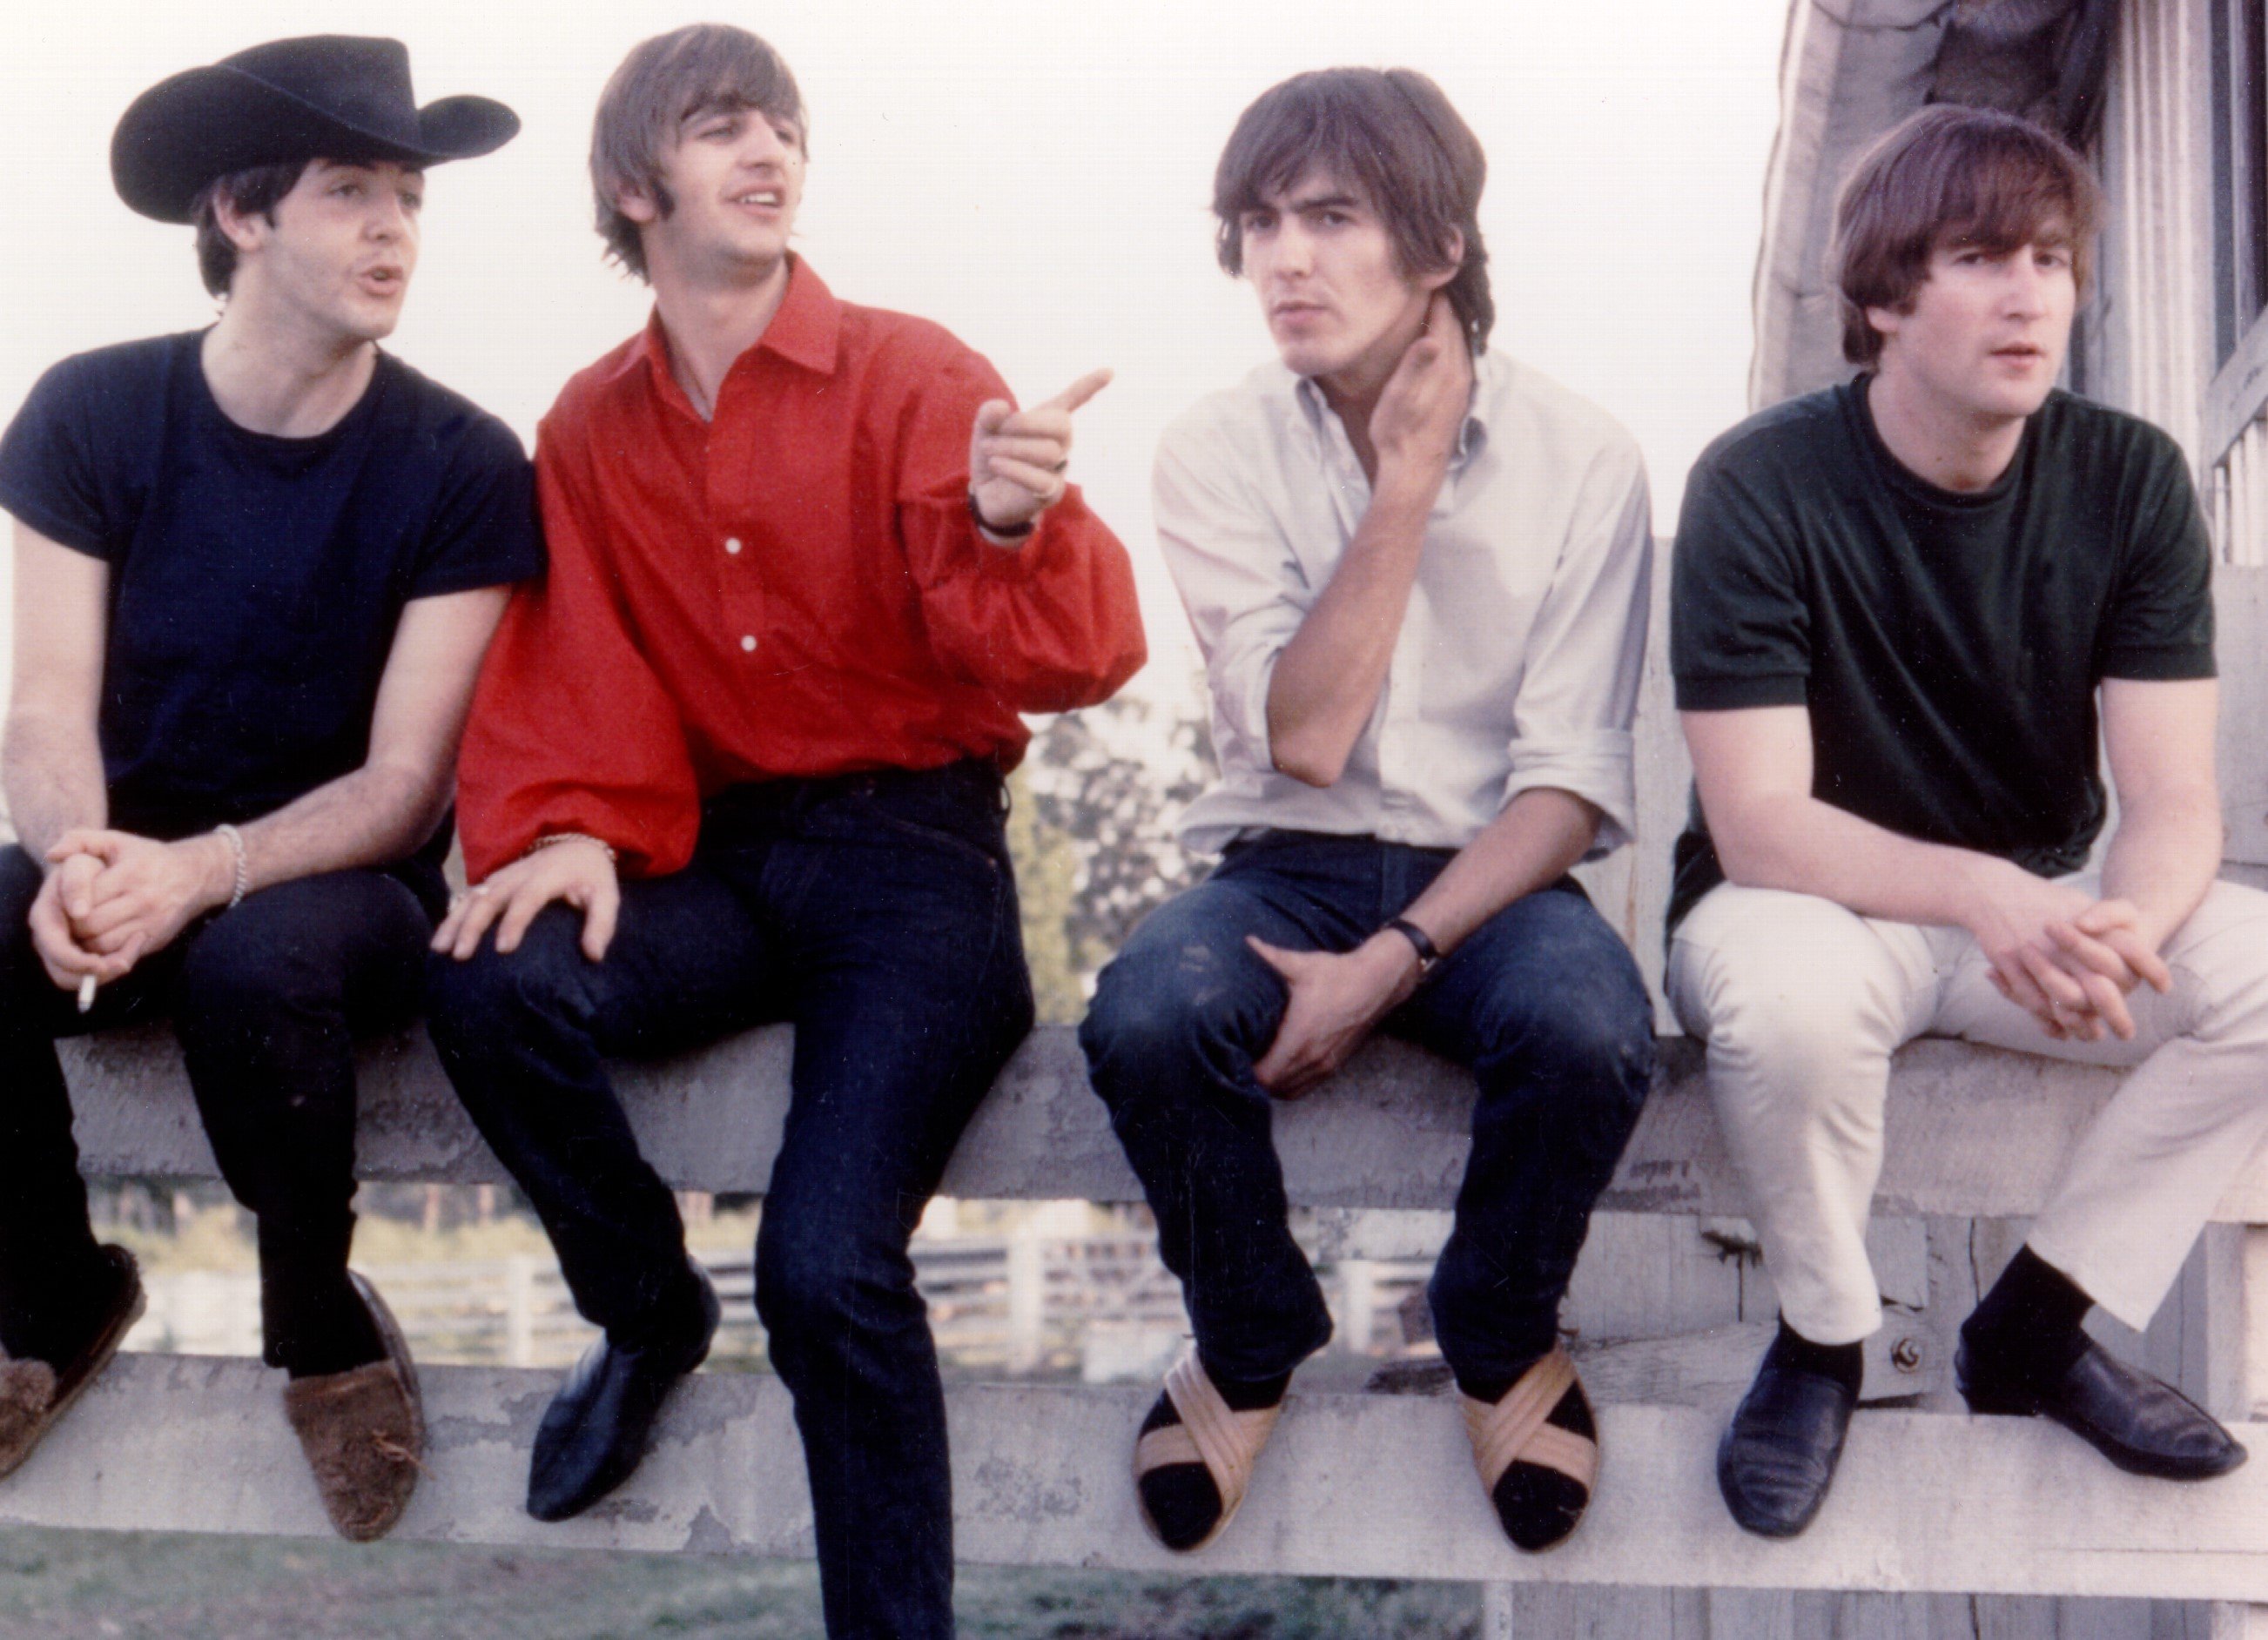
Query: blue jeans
[[878, 913], [1542, 1002]]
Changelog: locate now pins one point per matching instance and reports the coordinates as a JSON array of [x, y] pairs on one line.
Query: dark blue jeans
[[1542, 1002], [878, 913], [267, 1000]]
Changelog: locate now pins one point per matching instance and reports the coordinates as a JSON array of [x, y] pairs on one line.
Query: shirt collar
[[805, 332], [1472, 437]]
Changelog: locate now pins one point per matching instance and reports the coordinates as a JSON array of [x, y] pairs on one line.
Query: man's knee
[[1572, 1009], [1792, 986], [20, 880], [2222, 952], [1168, 1007], [817, 1277], [494, 997]]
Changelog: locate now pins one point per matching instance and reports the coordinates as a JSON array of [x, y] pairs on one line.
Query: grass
[[162, 1586]]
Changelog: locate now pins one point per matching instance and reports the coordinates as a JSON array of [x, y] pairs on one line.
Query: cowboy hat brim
[[206, 122]]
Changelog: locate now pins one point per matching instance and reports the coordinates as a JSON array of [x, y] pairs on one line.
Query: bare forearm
[[54, 781], [2163, 857], [1806, 846], [378, 814], [1531, 844], [1327, 678]]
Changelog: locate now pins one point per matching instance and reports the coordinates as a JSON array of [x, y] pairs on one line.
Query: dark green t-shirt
[[1946, 644]]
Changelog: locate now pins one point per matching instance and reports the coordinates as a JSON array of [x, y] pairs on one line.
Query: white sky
[[1034, 178]]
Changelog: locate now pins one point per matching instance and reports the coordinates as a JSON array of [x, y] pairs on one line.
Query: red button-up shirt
[[793, 588]]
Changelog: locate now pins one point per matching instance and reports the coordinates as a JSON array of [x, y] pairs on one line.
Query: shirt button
[[748, 645], [732, 544]]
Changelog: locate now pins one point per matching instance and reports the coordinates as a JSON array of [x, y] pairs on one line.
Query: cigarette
[[85, 992]]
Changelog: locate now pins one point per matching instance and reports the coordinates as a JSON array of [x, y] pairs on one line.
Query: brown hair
[[663, 81], [1392, 133], [1951, 176], [255, 192]]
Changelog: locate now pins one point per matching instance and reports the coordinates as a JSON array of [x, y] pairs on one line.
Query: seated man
[[256, 566], [806, 566], [1419, 574], [1896, 602]]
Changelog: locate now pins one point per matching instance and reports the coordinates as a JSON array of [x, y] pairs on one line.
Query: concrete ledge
[[1973, 1132], [1353, 1485]]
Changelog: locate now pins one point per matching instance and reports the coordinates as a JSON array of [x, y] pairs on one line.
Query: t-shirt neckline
[[314, 444], [1910, 483]]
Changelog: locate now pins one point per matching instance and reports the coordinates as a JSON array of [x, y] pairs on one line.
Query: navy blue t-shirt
[[255, 582]]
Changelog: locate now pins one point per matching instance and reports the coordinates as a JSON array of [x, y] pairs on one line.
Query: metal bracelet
[[551, 837], [235, 841]]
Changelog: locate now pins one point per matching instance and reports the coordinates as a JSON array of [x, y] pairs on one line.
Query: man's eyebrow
[[710, 106], [1304, 202]]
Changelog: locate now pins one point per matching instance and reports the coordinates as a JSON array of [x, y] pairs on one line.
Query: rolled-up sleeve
[[1586, 654], [1244, 591]]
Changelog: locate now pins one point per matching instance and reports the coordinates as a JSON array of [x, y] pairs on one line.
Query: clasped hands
[[111, 898], [2068, 960], [1016, 458]]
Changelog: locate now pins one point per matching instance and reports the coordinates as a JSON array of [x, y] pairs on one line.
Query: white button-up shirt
[[1517, 661]]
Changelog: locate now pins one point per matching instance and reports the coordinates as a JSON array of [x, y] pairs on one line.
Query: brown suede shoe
[[34, 1394], [364, 1431]]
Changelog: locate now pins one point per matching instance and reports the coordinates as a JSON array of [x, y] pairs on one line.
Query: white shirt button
[[748, 645], [732, 544]]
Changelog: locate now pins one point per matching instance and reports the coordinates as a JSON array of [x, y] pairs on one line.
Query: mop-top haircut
[[663, 83], [1392, 135], [1951, 176]]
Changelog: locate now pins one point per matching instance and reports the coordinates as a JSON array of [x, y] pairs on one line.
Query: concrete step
[[1973, 1131], [1353, 1485]]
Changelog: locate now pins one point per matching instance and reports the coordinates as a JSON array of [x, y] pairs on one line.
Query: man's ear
[[637, 204], [243, 229], [1452, 263]]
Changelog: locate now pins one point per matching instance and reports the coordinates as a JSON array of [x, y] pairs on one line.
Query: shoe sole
[[2008, 1404], [106, 1349], [397, 1352]]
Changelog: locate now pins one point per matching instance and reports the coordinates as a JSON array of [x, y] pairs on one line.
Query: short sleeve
[[484, 531], [1739, 630], [2160, 623], [50, 470]]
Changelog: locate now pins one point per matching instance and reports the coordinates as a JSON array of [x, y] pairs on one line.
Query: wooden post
[[520, 1310], [1027, 1291], [1358, 1302]]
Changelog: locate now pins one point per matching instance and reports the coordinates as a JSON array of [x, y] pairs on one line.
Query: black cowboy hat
[[324, 97]]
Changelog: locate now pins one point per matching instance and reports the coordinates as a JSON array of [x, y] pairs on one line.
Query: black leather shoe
[[1779, 1451], [598, 1426], [2143, 1426]]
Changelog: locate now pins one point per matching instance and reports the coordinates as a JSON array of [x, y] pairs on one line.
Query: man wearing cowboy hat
[[257, 566]]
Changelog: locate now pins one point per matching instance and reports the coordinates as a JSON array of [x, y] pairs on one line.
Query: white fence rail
[[1101, 1305]]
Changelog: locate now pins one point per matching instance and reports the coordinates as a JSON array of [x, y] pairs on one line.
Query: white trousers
[[1802, 1002]]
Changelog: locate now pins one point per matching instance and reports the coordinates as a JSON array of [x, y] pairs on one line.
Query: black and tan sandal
[[1516, 1430], [1212, 1432]]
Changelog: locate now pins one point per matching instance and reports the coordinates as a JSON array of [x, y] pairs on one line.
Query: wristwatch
[[1429, 954]]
